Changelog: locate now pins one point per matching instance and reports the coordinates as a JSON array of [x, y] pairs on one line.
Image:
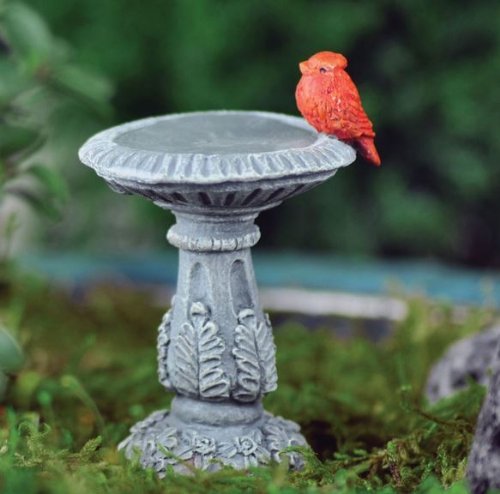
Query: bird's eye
[[322, 70]]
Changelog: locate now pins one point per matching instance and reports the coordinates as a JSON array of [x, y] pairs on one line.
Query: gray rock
[[470, 358], [216, 171], [483, 468]]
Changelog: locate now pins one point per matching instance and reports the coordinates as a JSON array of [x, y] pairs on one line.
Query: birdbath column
[[216, 352], [224, 348], [216, 171]]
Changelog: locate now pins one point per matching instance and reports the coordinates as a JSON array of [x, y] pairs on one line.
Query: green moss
[[91, 373]]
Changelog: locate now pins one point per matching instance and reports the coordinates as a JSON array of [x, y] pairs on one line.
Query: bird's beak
[[303, 67]]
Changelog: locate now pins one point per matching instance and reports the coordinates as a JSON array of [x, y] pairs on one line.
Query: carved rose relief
[[245, 451], [159, 443], [280, 434]]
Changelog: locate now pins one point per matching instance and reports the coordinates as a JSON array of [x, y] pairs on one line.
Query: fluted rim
[[114, 161]]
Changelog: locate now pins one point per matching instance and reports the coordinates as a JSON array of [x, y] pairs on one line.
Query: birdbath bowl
[[216, 171]]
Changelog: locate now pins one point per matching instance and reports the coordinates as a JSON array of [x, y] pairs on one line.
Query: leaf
[[14, 139], [267, 356], [84, 86], [36, 201], [247, 362], [83, 83], [212, 379], [89, 450], [186, 361], [12, 82], [51, 193], [198, 357], [162, 347], [27, 34], [51, 180]]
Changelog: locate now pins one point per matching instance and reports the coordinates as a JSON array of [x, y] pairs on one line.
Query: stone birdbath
[[216, 171]]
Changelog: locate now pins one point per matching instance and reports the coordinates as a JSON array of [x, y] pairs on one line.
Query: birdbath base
[[194, 433], [216, 171]]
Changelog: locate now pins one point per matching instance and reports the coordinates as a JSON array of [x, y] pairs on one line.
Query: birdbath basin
[[216, 171]]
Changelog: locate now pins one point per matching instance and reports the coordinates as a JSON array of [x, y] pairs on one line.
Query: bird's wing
[[349, 107]]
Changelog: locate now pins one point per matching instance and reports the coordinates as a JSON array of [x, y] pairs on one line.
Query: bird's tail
[[367, 149]]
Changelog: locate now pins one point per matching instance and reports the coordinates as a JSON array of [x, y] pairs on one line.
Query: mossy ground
[[91, 373]]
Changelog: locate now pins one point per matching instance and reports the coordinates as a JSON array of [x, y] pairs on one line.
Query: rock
[[483, 468], [470, 358]]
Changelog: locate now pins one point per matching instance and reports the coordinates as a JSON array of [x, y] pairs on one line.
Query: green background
[[428, 74]]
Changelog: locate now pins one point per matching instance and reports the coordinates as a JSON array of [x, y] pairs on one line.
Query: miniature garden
[[93, 347]]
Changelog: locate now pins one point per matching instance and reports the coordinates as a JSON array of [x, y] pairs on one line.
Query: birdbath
[[216, 171]]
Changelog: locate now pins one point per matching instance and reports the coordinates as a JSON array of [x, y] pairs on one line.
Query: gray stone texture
[[469, 358], [216, 171], [483, 468]]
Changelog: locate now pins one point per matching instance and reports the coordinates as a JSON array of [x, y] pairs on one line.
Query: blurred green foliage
[[43, 93], [427, 73], [91, 373], [11, 358]]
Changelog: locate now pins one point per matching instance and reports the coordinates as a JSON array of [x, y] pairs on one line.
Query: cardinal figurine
[[330, 102]]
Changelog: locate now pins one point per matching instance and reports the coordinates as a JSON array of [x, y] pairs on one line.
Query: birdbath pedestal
[[216, 171]]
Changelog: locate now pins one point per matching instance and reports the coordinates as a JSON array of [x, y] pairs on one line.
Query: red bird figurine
[[330, 102]]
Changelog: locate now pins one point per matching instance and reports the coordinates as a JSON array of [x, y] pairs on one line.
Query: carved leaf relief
[[198, 353], [213, 381], [186, 356], [163, 344], [255, 357], [254, 353], [246, 358], [267, 355]]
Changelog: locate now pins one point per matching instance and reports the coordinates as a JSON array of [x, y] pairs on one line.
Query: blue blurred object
[[278, 269]]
